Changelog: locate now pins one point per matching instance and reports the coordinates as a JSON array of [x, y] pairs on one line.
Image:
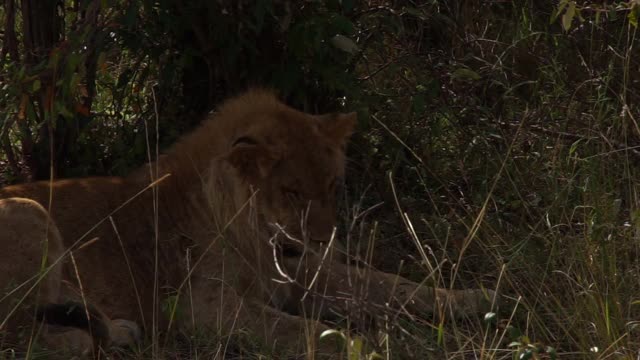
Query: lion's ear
[[252, 161], [338, 127]]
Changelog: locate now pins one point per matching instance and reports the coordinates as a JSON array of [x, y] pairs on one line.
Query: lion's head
[[289, 163]]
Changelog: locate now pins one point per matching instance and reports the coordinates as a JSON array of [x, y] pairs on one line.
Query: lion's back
[[75, 205]]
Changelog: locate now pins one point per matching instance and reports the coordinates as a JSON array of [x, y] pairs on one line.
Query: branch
[[91, 62], [8, 149]]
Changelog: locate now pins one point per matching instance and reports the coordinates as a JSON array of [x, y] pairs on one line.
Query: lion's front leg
[[328, 288], [219, 308], [415, 297]]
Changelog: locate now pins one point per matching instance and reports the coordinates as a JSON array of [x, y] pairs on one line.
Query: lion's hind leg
[[29, 275], [31, 244], [420, 298], [31, 280]]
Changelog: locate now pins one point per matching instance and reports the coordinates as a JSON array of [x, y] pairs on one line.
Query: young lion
[[234, 223], [32, 275]]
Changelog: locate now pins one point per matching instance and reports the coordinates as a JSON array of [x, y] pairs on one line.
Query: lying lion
[[233, 228]]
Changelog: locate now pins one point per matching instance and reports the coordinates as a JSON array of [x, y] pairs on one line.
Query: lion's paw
[[124, 333]]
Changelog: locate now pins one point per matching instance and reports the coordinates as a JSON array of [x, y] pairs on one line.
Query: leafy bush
[[105, 67]]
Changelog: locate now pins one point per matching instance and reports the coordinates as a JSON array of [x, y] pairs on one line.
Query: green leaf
[[574, 147], [465, 75], [170, 306], [633, 15], [490, 318], [513, 332], [340, 340], [552, 352], [356, 349], [527, 354], [332, 332], [568, 16], [561, 6], [36, 85], [345, 44]]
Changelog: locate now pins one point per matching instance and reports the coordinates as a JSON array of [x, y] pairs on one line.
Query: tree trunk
[[41, 31], [10, 40], [40, 27]]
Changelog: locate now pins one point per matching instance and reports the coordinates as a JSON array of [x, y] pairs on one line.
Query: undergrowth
[[499, 148], [511, 138]]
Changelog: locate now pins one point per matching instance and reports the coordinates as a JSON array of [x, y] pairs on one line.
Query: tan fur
[[32, 257], [211, 223], [27, 270]]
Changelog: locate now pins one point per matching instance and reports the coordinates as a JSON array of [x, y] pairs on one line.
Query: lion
[[232, 228], [33, 239]]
